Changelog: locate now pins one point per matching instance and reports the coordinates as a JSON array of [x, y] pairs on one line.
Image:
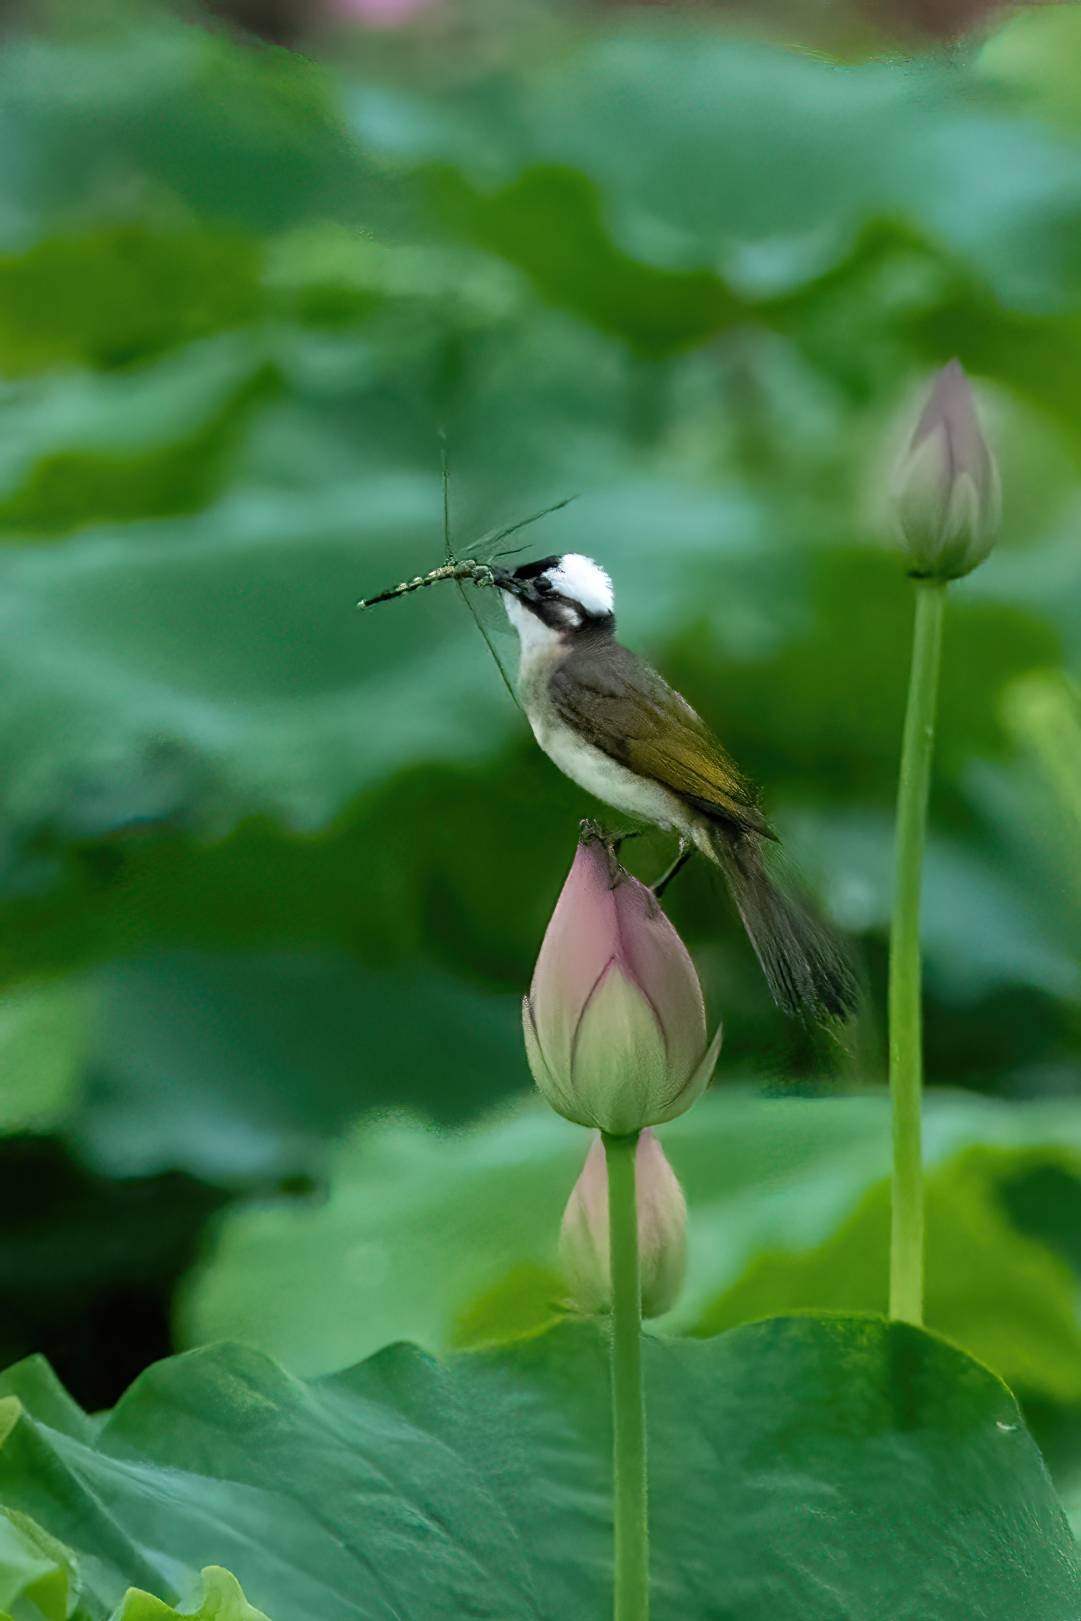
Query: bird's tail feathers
[[804, 966]]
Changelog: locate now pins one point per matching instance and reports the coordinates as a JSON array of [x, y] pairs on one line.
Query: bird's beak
[[505, 580]]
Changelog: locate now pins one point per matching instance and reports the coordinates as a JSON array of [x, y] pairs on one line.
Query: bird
[[616, 728]]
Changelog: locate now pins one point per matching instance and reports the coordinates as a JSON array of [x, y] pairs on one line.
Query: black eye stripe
[[530, 571]]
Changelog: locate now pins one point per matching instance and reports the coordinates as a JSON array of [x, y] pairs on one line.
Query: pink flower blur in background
[[376, 13]]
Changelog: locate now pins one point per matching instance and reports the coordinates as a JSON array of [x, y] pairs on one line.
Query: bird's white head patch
[[584, 581], [553, 598]]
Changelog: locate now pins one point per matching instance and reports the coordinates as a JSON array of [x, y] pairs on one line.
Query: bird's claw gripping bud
[[591, 831], [946, 494], [615, 1024], [662, 1232]]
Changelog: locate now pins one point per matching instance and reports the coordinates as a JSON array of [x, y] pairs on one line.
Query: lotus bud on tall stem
[[615, 1023], [584, 1240], [947, 506], [615, 1032]]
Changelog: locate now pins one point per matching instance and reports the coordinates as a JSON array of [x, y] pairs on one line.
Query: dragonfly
[[473, 570]]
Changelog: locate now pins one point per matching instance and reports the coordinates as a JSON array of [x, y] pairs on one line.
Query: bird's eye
[[543, 587]]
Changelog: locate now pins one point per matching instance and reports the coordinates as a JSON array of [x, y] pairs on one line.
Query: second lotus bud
[[615, 1024], [947, 498], [662, 1232]]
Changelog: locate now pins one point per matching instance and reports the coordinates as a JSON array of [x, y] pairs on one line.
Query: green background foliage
[[273, 873]]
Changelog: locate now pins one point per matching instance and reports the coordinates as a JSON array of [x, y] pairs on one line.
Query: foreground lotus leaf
[[803, 1469]]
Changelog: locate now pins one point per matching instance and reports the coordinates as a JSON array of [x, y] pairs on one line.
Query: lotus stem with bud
[[615, 1032], [615, 1024], [947, 505], [584, 1243]]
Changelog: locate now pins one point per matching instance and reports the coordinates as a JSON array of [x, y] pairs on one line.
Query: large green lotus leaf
[[36, 1572], [1007, 1297], [249, 137], [115, 295], [244, 1068], [550, 222], [804, 227], [1044, 716], [739, 207], [986, 924], [819, 714], [220, 1599], [43, 1033], [125, 414], [1032, 53], [148, 394], [86, 448], [39, 1580], [330, 277], [452, 1239], [229, 658], [822, 142], [810, 1468]]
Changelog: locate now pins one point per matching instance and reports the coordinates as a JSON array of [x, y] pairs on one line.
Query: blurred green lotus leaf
[[428, 1237]]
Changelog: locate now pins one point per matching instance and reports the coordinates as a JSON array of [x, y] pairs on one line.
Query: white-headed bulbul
[[618, 730]]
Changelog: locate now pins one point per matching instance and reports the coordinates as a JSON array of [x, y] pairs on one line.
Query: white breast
[[606, 779], [542, 650], [538, 642]]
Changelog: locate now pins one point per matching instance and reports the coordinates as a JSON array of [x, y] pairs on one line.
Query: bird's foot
[[591, 831], [686, 851]]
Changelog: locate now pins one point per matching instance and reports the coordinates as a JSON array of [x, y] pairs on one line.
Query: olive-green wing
[[630, 713]]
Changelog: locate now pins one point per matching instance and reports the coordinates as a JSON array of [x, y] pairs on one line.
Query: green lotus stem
[[631, 1564], [905, 997]]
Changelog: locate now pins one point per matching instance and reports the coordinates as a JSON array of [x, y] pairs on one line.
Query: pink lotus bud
[[947, 496], [377, 13], [662, 1232], [615, 1024]]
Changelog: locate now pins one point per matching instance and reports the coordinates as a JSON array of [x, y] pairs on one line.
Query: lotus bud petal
[[615, 1024], [662, 1232], [947, 497]]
